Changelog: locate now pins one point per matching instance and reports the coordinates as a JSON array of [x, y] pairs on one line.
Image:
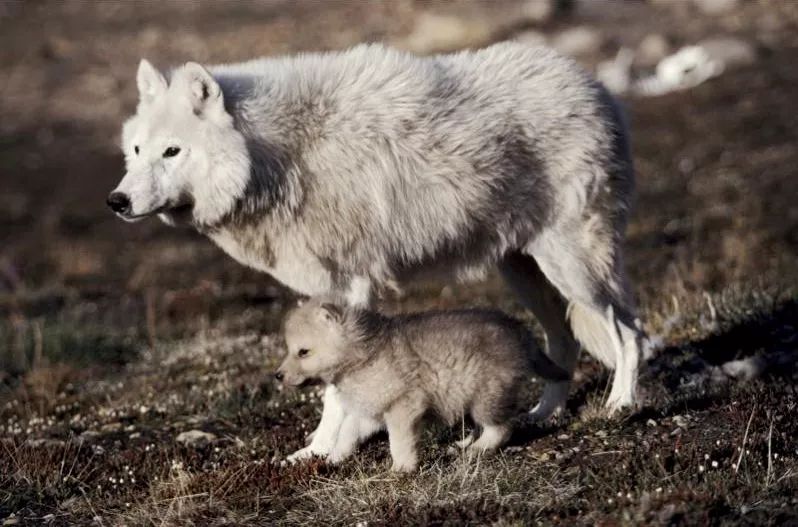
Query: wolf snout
[[118, 202], [279, 376]]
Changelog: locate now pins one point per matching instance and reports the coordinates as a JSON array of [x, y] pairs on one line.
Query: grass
[[705, 446], [116, 338]]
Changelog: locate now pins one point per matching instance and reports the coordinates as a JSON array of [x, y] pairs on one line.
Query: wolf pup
[[392, 370]]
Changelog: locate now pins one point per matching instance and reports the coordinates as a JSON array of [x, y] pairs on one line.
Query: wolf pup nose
[[119, 202]]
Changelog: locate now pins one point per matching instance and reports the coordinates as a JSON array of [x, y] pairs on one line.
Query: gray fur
[[394, 369], [349, 173]]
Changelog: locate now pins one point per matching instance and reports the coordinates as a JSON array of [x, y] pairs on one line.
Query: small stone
[[716, 7], [435, 32], [196, 438], [531, 38], [731, 51], [88, 435], [577, 41], [653, 48], [651, 422], [539, 10], [42, 443], [601, 433], [111, 427]]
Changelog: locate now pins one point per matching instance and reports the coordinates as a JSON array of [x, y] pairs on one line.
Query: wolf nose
[[119, 202], [279, 376]]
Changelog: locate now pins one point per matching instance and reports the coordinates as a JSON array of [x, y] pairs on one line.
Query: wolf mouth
[[182, 208]]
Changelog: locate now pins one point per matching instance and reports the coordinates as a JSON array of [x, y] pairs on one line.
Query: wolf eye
[[303, 352], [136, 149], [172, 151]]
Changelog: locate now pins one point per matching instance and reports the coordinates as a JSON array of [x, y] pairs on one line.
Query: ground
[[117, 338]]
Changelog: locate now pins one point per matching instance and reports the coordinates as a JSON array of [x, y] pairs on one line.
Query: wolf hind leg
[[588, 273], [491, 438], [536, 293]]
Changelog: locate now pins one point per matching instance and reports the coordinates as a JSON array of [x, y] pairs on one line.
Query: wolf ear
[[203, 90], [331, 313], [150, 81]]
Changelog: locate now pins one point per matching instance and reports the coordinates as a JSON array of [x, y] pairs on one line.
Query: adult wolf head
[[185, 160]]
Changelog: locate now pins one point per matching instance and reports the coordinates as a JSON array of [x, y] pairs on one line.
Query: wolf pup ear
[[150, 81], [331, 313], [203, 90]]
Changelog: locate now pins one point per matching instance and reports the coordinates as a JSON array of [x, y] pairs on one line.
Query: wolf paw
[[404, 467], [310, 436], [337, 456], [301, 455], [465, 442], [406, 464]]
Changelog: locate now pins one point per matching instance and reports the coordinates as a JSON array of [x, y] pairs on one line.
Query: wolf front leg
[[326, 434], [353, 429]]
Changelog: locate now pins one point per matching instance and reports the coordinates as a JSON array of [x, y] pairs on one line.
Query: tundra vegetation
[[136, 361]]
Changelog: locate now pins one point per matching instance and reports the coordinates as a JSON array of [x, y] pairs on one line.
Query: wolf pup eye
[[136, 149], [303, 352], [172, 151]]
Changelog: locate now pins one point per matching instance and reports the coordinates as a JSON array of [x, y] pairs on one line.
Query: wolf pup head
[[318, 344], [185, 160]]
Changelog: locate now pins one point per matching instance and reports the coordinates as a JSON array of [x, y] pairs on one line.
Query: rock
[[88, 435], [653, 48], [44, 443], [539, 10], [531, 38], [616, 74], [434, 32], [744, 369], [577, 41], [716, 7], [196, 438], [730, 51], [680, 421], [109, 428]]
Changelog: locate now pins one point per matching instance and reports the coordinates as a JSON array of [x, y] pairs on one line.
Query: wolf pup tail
[[545, 368]]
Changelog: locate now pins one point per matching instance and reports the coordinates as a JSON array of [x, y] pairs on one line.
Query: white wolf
[[349, 173], [392, 370]]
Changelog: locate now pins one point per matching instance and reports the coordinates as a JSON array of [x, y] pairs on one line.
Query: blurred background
[[709, 87], [126, 335]]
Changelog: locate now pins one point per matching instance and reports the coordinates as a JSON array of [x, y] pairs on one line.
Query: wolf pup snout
[[393, 370]]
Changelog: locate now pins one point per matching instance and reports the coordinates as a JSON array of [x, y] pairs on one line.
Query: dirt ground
[[116, 338]]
